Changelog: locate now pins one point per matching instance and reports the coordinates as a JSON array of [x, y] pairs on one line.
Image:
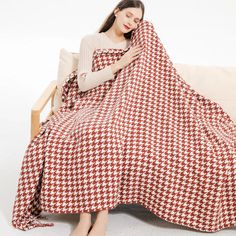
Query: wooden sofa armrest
[[39, 105]]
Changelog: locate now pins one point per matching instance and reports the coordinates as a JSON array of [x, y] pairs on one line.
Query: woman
[[144, 137], [113, 34]]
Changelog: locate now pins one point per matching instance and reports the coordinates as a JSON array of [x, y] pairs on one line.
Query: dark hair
[[121, 5]]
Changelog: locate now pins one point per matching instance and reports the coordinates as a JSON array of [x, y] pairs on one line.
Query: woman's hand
[[129, 56], [132, 54]]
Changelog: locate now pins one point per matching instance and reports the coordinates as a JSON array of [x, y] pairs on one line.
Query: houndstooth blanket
[[145, 138]]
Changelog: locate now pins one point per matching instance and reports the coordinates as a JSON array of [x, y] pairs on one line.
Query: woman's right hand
[[132, 54]]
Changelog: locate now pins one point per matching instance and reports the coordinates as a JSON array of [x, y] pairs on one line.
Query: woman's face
[[129, 17]]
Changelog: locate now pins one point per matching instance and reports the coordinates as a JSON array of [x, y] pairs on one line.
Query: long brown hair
[[121, 5]]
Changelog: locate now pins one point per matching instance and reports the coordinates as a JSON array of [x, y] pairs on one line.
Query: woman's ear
[[116, 11]]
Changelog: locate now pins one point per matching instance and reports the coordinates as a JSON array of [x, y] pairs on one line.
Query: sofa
[[217, 83]]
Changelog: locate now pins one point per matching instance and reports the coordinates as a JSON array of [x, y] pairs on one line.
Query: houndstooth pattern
[[145, 137]]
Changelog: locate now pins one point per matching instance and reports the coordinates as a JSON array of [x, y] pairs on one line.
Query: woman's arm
[[86, 78]]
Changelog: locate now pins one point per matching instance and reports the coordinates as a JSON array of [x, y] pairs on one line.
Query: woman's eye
[[135, 21]]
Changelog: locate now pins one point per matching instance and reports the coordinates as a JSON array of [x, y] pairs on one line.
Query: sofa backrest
[[214, 82]]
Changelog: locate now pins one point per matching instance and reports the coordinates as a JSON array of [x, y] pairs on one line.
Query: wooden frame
[[39, 105]]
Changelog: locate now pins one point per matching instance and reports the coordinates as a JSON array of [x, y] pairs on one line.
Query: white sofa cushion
[[68, 62], [214, 82]]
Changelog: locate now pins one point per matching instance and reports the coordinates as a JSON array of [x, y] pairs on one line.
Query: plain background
[[32, 33]]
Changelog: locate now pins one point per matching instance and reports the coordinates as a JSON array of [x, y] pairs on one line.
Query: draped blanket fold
[[145, 138]]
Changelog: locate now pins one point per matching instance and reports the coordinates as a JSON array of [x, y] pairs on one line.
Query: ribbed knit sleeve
[[86, 78]]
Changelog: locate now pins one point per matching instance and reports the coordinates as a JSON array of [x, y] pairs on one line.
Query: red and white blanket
[[145, 138]]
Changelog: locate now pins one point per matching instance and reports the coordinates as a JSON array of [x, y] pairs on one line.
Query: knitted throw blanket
[[145, 138]]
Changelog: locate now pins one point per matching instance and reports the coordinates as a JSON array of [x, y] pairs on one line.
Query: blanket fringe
[[30, 223]]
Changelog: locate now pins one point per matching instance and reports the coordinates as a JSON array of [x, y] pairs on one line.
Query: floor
[[132, 220]]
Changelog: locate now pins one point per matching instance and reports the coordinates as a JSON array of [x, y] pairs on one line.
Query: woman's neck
[[115, 36]]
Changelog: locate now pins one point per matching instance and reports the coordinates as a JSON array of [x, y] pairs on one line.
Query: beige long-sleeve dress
[[86, 78]]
